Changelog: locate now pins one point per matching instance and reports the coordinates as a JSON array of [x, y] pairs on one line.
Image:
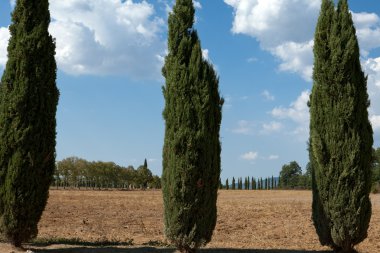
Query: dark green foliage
[[233, 183], [191, 153], [227, 186], [340, 132], [220, 184], [290, 175], [28, 102], [253, 183], [272, 183]]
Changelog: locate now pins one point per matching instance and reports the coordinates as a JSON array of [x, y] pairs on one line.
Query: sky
[[110, 54]]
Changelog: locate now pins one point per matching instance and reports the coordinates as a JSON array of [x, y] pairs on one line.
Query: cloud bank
[[106, 37]]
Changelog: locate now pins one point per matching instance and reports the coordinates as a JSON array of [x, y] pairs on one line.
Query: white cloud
[[273, 157], [368, 31], [372, 68], [205, 54], [375, 120], [244, 127], [103, 37], [197, 4], [4, 37], [293, 42], [298, 112], [262, 19], [271, 127], [250, 156], [267, 95], [296, 58]]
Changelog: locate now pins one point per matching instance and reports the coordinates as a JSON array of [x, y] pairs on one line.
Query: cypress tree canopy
[[28, 101], [340, 132], [191, 153]]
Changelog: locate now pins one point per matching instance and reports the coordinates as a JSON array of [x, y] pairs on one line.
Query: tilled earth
[[248, 221]]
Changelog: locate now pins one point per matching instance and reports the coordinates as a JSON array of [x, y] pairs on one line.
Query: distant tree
[[272, 183], [233, 183], [290, 174], [28, 104], [227, 185], [341, 135], [220, 184], [253, 183], [145, 163], [144, 176], [261, 184]]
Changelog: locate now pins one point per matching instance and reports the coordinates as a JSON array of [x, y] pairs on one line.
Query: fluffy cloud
[[375, 120], [298, 112], [262, 19], [107, 37], [4, 37], [250, 156], [293, 42], [271, 127], [296, 58], [372, 67], [103, 37], [368, 31], [197, 4]]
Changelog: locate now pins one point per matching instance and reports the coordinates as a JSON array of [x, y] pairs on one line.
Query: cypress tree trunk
[[191, 153], [340, 133], [28, 101]]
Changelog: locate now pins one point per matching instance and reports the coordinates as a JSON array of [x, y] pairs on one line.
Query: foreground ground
[[248, 221]]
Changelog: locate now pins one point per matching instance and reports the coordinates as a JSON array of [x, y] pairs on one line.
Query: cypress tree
[[272, 182], [341, 135], [227, 186], [191, 153], [253, 183], [145, 164], [233, 183], [28, 103]]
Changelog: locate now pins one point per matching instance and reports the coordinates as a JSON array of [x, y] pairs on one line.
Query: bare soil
[[248, 221]]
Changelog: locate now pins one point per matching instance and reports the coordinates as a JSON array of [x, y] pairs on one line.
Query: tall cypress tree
[[233, 183], [28, 102], [227, 186], [341, 135], [191, 153]]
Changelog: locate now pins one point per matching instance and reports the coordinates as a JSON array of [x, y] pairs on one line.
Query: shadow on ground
[[166, 250]]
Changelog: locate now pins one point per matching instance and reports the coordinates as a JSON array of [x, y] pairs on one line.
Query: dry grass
[[257, 221]]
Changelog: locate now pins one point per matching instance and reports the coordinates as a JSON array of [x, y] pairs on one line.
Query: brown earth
[[248, 221]]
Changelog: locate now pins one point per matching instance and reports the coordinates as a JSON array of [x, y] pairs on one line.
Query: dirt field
[[248, 221]]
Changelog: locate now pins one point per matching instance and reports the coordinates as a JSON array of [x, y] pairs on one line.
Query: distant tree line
[[251, 183], [291, 177], [78, 173]]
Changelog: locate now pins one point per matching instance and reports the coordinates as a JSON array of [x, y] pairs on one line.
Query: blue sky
[[110, 52]]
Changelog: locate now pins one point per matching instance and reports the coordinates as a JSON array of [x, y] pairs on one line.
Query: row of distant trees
[[291, 177], [78, 173]]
